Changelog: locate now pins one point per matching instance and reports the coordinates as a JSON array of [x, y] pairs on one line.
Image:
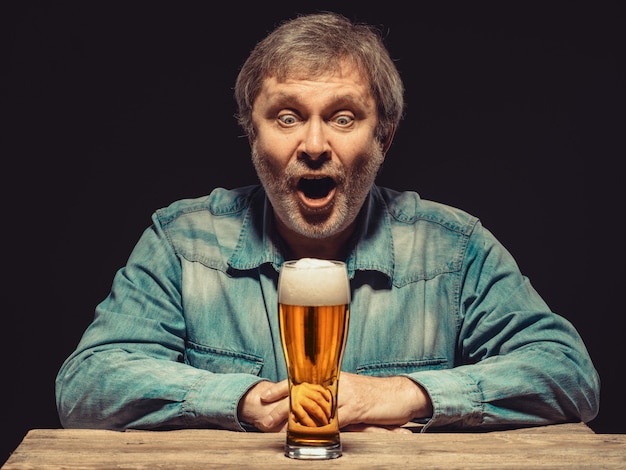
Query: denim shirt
[[191, 322]]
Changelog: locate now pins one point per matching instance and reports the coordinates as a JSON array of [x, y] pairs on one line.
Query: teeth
[[316, 188]]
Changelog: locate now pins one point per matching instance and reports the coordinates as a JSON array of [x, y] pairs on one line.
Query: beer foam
[[314, 282]]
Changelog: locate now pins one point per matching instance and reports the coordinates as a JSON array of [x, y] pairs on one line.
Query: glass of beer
[[313, 304]]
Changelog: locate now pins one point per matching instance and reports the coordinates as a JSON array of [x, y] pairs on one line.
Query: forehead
[[345, 82]]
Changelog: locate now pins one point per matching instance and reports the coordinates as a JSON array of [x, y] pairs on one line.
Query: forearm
[[117, 389], [537, 385], [516, 362]]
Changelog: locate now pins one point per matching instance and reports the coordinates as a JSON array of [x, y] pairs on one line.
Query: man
[[444, 328]]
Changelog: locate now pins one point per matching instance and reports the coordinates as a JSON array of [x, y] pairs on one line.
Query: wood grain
[[559, 446]]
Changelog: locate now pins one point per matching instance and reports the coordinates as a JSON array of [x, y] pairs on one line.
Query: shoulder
[[409, 208], [220, 202], [207, 229], [429, 238]]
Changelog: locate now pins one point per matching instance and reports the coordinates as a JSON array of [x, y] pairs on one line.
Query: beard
[[352, 184]]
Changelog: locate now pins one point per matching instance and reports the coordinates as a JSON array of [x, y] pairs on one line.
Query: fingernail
[[267, 422]]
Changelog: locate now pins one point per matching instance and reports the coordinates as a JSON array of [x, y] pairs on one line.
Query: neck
[[332, 248]]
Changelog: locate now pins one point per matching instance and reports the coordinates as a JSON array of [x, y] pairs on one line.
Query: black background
[[515, 113]]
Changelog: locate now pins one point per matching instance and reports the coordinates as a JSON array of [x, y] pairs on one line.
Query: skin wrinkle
[[353, 161]]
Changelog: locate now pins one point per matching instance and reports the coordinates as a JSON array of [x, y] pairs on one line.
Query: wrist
[[419, 399]]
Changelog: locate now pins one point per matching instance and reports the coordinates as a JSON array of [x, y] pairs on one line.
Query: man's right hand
[[266, 406]]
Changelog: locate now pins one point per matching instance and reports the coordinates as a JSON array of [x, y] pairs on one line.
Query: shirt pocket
[[386, 369], [222, 361]]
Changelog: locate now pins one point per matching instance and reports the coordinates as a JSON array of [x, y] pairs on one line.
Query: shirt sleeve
[[518, 363], [128, 371]]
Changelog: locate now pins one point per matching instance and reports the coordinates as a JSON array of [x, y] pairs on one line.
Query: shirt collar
[[374, 250], [259, 243]]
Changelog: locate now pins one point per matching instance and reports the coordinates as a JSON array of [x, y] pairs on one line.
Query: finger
[[323, 399], [319, 389], [301, 415], [275, 392], [376, 429], [316, 412], [401, 430], [298, 398], [276, 419], [317, 401]]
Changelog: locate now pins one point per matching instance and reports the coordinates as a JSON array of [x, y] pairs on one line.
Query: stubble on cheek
[[353, 185]]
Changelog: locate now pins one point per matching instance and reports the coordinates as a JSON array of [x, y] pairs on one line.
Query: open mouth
[[316, 188]]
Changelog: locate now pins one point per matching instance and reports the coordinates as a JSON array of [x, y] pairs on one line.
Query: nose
[[315, 146]]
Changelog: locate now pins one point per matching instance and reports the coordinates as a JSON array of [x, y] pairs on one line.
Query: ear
[[388, 139]]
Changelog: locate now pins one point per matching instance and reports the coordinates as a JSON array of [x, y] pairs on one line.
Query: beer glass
[[313, 304]]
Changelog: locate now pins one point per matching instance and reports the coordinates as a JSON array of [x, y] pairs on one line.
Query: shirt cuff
[[456, 397], [215, 398]]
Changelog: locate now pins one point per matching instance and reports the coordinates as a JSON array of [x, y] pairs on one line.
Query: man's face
[[315, 150]]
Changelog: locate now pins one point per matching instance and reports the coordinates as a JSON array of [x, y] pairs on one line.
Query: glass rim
[[292, 262]]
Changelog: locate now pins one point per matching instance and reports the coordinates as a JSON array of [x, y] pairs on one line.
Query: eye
[[343, 120], [288, 119]]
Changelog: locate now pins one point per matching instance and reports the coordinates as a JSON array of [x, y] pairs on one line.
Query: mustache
[[297, 169]]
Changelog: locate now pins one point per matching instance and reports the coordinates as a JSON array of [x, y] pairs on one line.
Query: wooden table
[[558, 446]]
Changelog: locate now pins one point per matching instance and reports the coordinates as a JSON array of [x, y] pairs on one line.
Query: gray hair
[[316, 44]]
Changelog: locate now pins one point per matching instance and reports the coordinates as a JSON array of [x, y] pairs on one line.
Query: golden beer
[[313, 337]]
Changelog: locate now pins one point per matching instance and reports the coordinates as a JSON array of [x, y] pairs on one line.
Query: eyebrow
[[284, 98]]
